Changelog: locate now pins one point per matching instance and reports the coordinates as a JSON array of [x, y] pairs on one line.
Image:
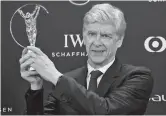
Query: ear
[[120, 41]]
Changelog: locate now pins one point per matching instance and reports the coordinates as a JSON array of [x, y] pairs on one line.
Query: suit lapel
[[109, 78], [81, 76]]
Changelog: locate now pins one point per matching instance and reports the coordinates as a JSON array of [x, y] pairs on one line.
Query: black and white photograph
[[83, 57]]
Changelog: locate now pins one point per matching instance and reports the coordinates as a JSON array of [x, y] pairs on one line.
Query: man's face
[[101, 42]]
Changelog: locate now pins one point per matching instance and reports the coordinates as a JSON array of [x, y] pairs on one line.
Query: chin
[[98, 60]]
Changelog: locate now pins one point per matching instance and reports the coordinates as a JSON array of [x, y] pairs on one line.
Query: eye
[[106, 36], [91, 33]]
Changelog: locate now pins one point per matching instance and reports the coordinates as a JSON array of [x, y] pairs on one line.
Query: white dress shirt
[[102, 69]]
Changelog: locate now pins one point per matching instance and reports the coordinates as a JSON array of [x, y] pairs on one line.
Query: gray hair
[[107, 13]]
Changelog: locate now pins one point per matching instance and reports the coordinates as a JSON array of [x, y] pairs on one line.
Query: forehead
[[100, 27]]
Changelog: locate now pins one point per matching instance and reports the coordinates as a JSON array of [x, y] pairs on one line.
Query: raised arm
[[21, 13], [36, 105], [36, 12]]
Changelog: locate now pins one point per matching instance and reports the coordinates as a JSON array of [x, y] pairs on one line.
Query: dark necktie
[[93, 80]]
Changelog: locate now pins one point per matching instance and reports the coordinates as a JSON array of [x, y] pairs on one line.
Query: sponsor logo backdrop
[[60, 37]]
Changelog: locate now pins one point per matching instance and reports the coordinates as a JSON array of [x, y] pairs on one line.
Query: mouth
[[98, 51]]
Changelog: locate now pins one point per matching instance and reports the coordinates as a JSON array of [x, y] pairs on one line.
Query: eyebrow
[[92, 31], [104, 33], [101, 33]]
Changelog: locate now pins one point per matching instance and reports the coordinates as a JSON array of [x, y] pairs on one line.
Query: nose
[[97, 41]]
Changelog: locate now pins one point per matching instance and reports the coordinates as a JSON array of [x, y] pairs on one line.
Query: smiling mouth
[[98, 51]]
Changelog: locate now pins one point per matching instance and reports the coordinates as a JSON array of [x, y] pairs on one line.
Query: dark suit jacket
[[123, 89]]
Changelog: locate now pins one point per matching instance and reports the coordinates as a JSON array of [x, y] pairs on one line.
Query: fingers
[[36, 66], [26, 74], [30, 76], [35, 49], [26, 64], [24, 51], [27, 56], [32, 72]]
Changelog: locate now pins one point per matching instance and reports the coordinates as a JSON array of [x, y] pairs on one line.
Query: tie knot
[[96, 74]]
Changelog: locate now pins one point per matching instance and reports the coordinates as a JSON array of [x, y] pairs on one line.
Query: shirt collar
[[102, 69]]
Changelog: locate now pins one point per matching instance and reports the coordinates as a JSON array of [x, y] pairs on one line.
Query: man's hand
[[31, 76], [43, 65]]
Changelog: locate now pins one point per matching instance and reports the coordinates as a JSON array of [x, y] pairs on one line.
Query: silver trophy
[[30, 23]]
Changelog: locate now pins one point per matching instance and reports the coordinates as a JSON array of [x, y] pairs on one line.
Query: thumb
[[25, 50]]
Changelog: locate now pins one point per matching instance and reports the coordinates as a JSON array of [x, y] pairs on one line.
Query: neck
[[99, 65]]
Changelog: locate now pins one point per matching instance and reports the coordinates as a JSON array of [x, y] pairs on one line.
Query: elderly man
[[102, 86]]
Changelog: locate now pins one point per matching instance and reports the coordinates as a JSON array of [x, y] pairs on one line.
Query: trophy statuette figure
[[30, 21]]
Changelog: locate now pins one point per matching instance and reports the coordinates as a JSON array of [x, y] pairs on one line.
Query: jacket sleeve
[[131, 96], [35, 105]]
